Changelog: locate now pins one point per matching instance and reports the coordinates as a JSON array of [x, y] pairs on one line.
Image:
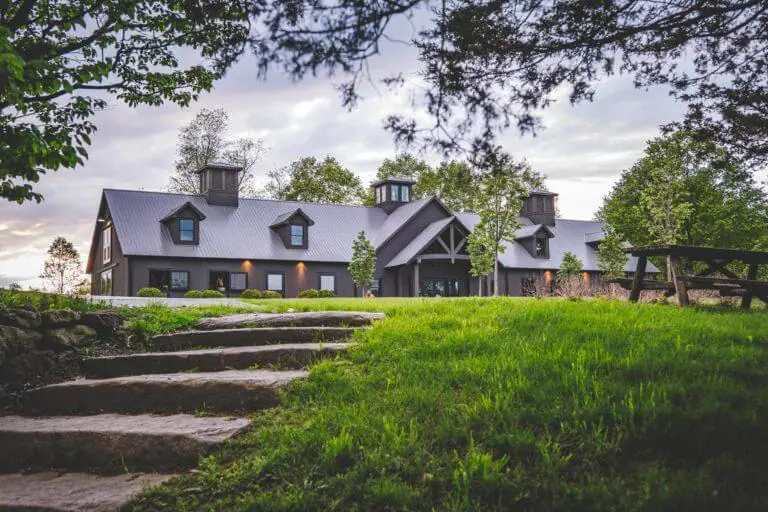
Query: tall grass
[[503, 404]]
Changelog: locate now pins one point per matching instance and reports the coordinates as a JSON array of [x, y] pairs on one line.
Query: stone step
[[301, 319], [227, 391], [287, 356], [73, 492], [111, 442], [250, 336]]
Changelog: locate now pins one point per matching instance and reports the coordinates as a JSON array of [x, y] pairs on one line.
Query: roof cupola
[[391, 193], [219, 183]]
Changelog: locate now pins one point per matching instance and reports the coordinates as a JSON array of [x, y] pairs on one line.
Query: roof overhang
[[285, 218], [175, 212], [532, 231]]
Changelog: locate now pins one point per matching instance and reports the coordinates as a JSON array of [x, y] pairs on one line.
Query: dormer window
[[542, 247], [183, 224], [297, 235], [187, 230], [293, 229]]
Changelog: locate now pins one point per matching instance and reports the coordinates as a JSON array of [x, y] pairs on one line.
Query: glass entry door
[[441, 287]]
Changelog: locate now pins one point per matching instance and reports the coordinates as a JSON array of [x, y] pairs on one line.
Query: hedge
[[250, 294], [203, 294], [150, 292], [271, 294]]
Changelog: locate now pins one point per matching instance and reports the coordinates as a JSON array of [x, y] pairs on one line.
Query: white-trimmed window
[[106, 245], [297, 235], [275, 282], [328, 282], [238, 281]]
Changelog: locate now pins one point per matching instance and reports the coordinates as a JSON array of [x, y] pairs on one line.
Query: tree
[[502, 188], [62, 270], [689, 191], [452, 181], [482, 255], [487, 66], [363, 262], [311, 180], [60, 62], [14, 287], [611, 258], [204, 140], [570, 267]]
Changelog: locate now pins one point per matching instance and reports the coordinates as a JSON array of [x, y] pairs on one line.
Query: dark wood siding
[[298, 275]]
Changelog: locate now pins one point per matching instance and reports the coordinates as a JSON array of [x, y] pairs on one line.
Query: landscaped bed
[[509, 404]]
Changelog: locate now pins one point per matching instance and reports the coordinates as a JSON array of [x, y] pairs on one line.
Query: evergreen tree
[[570, 267]]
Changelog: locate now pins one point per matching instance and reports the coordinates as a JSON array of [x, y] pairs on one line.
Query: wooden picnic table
[[717, 260]]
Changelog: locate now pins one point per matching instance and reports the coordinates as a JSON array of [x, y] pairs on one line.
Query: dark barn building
[[217, 240]]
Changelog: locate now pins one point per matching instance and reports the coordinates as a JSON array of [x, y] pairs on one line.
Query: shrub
[[149, 292], [326, 293], [193, 294], [211, 294], [250, 294], [271, 294], [309, 294]]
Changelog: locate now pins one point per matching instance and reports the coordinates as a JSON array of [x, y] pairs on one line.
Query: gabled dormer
[[540, 207], [391, 193], [183, 224], [219, 183], [293, 228], [535, 239]]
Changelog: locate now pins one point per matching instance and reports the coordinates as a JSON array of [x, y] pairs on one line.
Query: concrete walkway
[[134, 302]]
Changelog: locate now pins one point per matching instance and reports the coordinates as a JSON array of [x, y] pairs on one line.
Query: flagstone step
[[110, 442], [73, 492], [301, 319], [250, 336], [287, 356], [226, 391]]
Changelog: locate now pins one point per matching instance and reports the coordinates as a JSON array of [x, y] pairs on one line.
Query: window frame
[[405, 194], [376, 293], [320, 277], [106, 245], [282, 280], [536, 248], [303, 235], [232, 288], [111, 282], [394, 192], [170, 280], [194, 230]]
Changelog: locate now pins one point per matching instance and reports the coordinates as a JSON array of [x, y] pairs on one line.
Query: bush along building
[[217, 240]]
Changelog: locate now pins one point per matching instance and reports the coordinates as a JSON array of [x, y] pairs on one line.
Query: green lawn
[[509, 404]]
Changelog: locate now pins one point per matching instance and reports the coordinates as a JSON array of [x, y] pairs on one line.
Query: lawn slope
[[484, 404]]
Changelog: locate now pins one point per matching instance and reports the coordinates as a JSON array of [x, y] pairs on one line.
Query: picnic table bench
[[717, 260]]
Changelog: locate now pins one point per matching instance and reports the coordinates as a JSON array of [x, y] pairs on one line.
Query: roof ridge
[[241, 198]]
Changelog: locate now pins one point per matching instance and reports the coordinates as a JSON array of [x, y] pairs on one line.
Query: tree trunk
[[496, 275], [479, 286]]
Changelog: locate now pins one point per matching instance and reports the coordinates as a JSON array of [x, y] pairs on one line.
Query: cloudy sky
[[581, 150]]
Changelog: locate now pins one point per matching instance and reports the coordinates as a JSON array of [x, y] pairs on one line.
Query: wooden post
[[637, 282], [679, 280], [416, 290], [746, 301]]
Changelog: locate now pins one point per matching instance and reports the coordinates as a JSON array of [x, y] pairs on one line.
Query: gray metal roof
[[569, 237], [529, 231], [244, 232], [238, 232]]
